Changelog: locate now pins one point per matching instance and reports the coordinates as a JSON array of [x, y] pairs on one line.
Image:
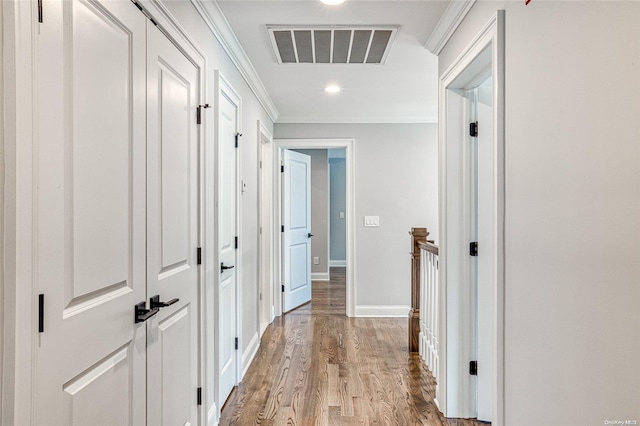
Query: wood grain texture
[[318, 367]]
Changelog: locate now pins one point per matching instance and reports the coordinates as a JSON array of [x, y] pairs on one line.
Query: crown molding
[[449, 21], [283, 119], [219, 26]]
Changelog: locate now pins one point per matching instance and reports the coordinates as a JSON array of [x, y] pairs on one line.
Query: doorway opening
[[329, 273], [472, 230], [328, 226]]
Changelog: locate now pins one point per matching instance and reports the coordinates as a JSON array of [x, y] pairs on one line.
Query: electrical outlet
[[316, 260], [341, 215]]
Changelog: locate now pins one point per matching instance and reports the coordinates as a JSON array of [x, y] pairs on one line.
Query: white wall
[[572, 232], [396, 174], [319, 208], [251, 112]]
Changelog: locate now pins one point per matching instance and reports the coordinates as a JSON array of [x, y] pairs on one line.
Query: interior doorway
[[472, 230], [328, 226], [323, 271]]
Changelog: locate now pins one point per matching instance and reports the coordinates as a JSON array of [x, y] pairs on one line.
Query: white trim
[[382, 311], [212, 416], [265, 248], [319, 276], [446, 26], [283, 119], [337, 263], [250, 353], [219, 26], [349, 146], [452, 303]]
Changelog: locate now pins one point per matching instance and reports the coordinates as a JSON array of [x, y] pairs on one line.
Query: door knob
[[141, 313], [224, 268], [157, 304], [309, 235]]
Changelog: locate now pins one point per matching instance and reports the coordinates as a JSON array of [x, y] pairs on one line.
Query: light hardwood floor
[[318, 367]]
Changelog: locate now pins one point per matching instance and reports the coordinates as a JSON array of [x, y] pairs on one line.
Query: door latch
[[157, 304], [141, 313], [224, 268]]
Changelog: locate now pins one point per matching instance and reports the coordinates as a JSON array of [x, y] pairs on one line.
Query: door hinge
[[41, 313], [281, 169], [40, 11], [238, 139], [282, 228], [260, 163], [144, 12], [473, 248], [283, 288], [236, 343], [473, 368], [199, 396], [199, 112], [199, 255], [473, 129], [236, 241]]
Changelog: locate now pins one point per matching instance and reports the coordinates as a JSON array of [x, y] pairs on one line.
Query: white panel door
[[90, 203], [172, 233], [487, 250], [297, 229], [228, 110]]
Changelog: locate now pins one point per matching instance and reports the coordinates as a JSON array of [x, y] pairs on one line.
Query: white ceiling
[[404, 90]]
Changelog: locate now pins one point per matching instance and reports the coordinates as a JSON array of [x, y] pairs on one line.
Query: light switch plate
[[372, 221], [341, 215]]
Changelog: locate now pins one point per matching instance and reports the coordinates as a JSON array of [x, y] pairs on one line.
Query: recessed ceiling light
[[332, 2], [332, 88]]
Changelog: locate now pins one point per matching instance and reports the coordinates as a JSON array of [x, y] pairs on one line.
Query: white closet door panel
[[172, 232], [90, 234], [90, 397], [228, 110]]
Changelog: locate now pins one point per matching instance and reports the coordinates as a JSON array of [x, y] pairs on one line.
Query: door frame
[[224, 88], [349, 146], [265, 245], [19, 33], [484, 54]]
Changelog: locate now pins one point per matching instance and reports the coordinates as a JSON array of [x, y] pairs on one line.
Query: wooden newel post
[[417, 235]]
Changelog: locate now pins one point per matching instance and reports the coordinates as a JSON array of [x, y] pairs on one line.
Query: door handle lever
[[141, 313], [224, 268], [309, 235], [157, 304]]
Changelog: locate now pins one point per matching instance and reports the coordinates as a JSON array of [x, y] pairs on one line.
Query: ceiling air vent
[[332, 45]]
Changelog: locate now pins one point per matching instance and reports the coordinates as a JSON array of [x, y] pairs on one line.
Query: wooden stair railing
[[418, 235]]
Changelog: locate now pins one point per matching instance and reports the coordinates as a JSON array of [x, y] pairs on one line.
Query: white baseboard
[[319, 276], [250, 353], [382, 311], [337, 263], [212, 416]]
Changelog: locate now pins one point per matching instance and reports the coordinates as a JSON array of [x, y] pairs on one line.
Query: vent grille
[[332, 45]]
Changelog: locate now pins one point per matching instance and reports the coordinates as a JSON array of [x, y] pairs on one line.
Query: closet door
[[172, 233], [89, 365]]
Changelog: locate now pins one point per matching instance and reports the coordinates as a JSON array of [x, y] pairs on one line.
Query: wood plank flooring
[[318, 367]]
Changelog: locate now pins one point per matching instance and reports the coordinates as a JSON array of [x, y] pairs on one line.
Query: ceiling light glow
[[332, 2], [332, 89]]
